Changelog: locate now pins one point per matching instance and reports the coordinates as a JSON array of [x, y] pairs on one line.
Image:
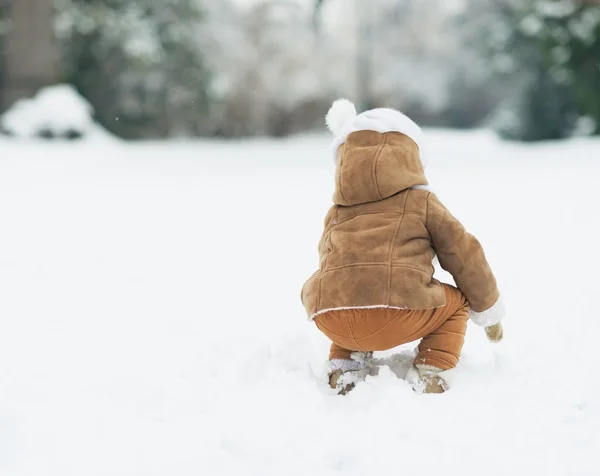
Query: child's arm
[[462, 256]]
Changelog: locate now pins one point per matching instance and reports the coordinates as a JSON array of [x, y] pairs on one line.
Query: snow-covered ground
[[151, 324]]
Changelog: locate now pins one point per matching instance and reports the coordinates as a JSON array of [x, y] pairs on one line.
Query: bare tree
[[30, 58]]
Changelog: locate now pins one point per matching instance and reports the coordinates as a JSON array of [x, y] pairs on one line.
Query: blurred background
[[530, 69], [150, 313]]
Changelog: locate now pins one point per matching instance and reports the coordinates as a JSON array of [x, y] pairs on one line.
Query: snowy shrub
[[56, 112]]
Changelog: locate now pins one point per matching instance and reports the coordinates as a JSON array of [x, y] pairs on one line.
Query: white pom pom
[[341, 111]]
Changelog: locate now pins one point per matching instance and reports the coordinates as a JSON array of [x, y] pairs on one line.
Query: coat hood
[[372, 166]]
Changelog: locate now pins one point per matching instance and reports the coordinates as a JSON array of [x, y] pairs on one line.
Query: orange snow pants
[[442, 330]]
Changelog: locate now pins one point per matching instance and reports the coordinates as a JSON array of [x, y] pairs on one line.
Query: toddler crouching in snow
[[375, 288]]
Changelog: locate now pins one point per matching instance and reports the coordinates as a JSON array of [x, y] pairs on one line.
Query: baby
[[374, 289]]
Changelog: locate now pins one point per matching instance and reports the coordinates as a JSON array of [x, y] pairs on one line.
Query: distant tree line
[[167, 68]]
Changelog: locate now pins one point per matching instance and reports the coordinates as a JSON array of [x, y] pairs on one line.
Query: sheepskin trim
[[379, 306], [427, 188], [491, 316]]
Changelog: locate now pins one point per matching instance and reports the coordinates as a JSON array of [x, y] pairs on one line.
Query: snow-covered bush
[[56, 112]]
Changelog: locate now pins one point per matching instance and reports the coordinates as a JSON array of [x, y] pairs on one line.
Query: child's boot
[[427, 379], [345, 373], [337, 382]]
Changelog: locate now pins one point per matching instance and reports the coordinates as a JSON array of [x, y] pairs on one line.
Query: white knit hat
[[342, 120]]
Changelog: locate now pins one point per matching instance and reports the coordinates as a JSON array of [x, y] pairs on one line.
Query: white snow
[[57, 109], [150, 319]]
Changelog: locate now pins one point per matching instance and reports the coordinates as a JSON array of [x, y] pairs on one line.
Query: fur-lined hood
[[378, 153]]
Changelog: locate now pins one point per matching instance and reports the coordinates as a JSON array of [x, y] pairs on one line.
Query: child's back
[[374, 289]]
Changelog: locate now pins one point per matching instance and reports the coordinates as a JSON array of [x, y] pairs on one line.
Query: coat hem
[[377, 306]]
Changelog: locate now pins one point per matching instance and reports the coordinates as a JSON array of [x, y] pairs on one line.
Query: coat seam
[[340, 179], [427, 211], [397, 212], [391, 251], [427, 224], [374, 166], [414, 268], [372, 263], [354, 265]]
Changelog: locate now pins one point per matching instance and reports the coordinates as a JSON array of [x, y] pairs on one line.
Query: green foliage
[[554, 48], [137, 62]]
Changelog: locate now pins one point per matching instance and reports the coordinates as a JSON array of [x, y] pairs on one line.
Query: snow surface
[[57, 109], [150, 320]]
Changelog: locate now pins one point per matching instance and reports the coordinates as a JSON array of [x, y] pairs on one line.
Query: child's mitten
[[495, 333]]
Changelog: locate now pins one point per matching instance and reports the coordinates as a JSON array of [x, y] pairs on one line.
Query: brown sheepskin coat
[[382, 234]]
